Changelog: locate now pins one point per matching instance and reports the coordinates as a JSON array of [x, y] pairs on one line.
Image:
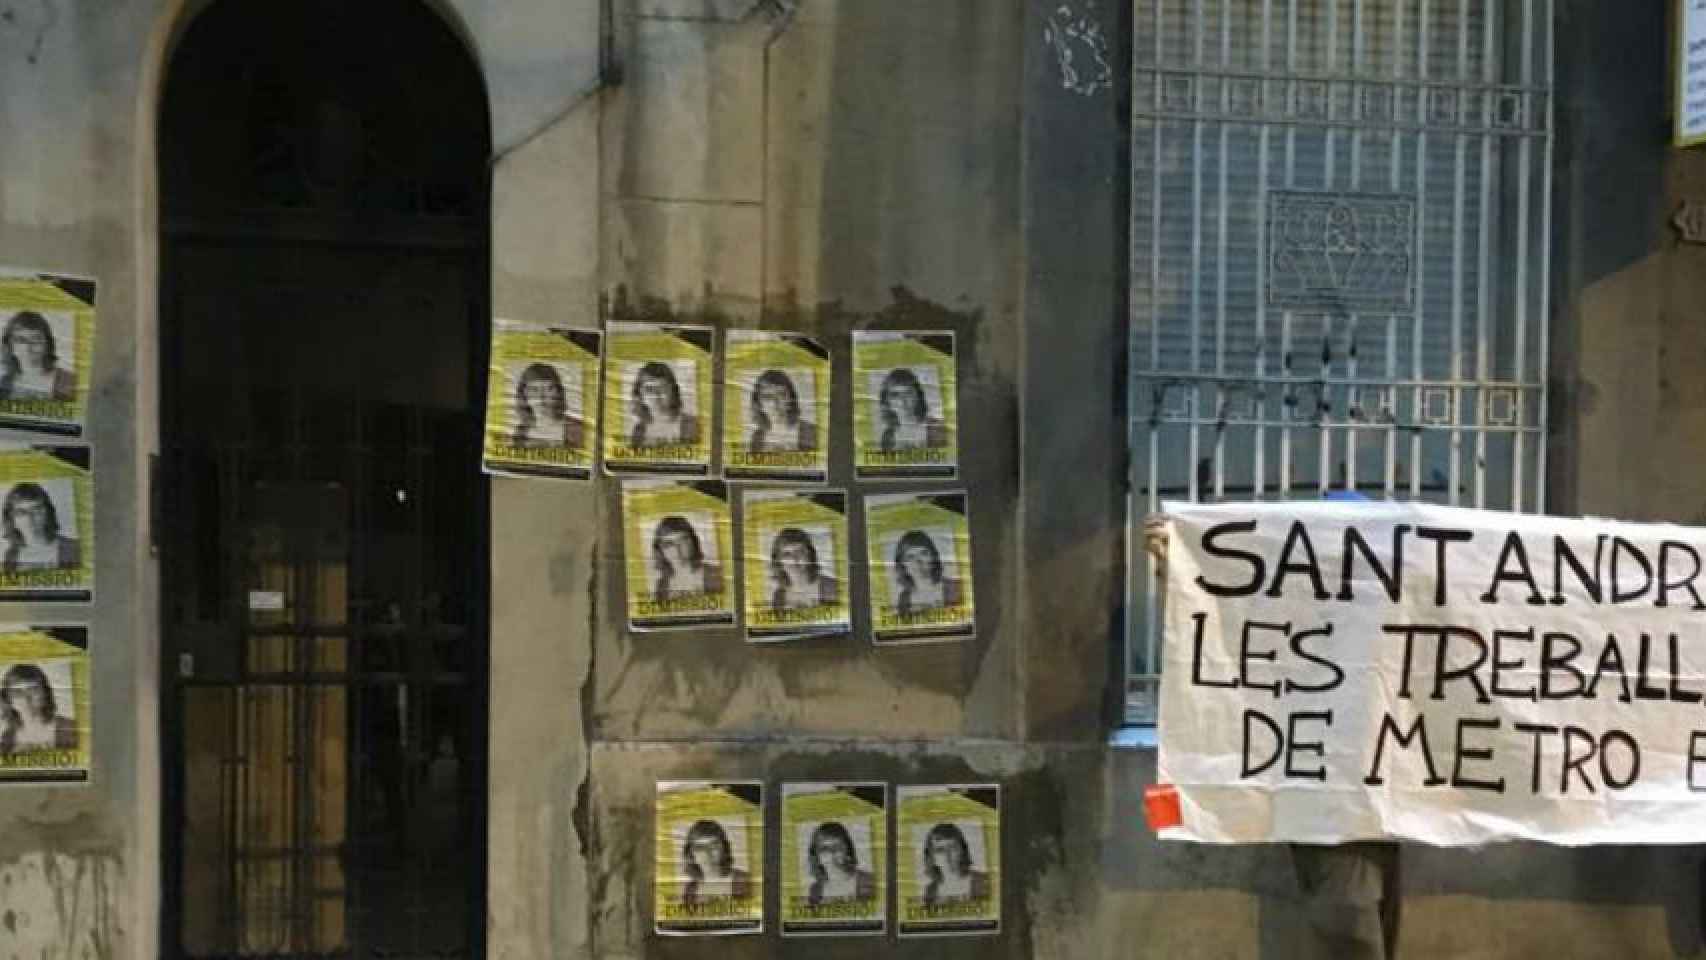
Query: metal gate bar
[[289, 880]]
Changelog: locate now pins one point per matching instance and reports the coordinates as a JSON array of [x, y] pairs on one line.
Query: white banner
[[1689, 72], [1340, 671]]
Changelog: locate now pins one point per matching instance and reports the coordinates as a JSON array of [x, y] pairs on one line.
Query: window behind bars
[[1339, 222]]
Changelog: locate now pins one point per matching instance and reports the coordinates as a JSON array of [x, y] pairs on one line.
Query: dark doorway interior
[[322, 517]]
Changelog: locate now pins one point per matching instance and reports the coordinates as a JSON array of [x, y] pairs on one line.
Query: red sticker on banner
[[1161, 806]]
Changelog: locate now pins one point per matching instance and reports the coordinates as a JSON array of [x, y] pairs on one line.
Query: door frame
[[160, 237], [171, 713]]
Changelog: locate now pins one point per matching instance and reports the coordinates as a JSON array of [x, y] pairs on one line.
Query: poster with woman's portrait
[[47, 524], [794, 559], [657, 400], [677, 537], [47, 342], [776, 403], [542, 400], [709, 864], [919, 551], [905, 406], [948, 859], [44, 704], [834, 866]]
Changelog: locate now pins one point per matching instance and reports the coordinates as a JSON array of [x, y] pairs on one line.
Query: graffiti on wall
[[1080, 49], [1690, 222]]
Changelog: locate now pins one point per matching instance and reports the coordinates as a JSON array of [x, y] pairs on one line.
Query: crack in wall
[[581, 816]]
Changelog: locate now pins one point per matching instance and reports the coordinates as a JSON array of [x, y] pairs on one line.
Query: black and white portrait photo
[[37, 356], [838, 861], [908, 414], [923, 572], [38, 520], [662, 403], [714, 861], [684, 557], [952, 862], [778, 408], [548, 406], [802, 565], [37, 711]]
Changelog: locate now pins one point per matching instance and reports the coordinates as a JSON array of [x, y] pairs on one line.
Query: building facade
[[351, 697]]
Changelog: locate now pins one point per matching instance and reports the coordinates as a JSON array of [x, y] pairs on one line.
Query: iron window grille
[[1340, 220]]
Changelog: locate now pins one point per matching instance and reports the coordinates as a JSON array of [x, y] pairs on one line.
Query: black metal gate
[[320, 515]]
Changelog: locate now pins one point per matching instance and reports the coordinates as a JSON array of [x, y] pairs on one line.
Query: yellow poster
[[919, 551], [47, 524], [44, 704], [658, 400], [678, 547], [776, 405], [948, 859], [834, 858], [905, 406], [794, 558], [47, 349], [709, 866], [542, 400]]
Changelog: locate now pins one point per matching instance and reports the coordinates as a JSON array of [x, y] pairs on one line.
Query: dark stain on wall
[[583, 791], [30, 21], [60, 884]]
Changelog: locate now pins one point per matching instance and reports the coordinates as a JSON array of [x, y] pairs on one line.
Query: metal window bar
[[1349, 308]]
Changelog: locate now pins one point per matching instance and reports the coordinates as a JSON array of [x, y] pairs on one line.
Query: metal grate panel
[[1339, 228]]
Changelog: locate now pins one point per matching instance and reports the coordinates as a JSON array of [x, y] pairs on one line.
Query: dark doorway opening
[[322, 519]]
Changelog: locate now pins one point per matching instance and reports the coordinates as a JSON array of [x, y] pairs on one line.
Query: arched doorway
[[324, 268]]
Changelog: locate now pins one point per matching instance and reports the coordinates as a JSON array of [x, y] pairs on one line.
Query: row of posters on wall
[[794, 552], [658, 386], [47, 522], [835, 855]]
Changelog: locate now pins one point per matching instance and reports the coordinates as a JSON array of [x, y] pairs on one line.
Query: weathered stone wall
[[828, 166], [71, 163], [852, 122]]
